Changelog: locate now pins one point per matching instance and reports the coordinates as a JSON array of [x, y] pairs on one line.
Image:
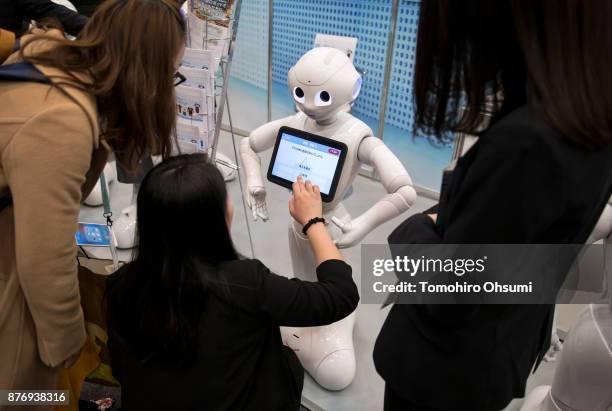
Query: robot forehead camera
[[324, 80]]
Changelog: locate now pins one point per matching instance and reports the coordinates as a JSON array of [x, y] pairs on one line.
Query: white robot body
[[583, 378], [94, 199], [603, 228], [346, 129], [323, 83], [326, 353], [124, 226]]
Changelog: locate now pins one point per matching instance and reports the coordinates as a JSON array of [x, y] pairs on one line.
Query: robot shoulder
[[355, 126]]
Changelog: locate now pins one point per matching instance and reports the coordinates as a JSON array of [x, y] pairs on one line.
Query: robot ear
[[290, 76], [357, 87]]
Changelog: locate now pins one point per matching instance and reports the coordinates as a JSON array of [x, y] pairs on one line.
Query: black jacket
[[521, 183], [86, 7], [16, 14], [240, 364]]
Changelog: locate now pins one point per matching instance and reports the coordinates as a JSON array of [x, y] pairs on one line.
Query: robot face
[[323, 81]]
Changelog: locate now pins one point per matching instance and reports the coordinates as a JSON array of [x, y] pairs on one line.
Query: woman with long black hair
[[541, 173], [193, 327]]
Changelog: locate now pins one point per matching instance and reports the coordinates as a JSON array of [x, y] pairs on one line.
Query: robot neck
[[326, 121]]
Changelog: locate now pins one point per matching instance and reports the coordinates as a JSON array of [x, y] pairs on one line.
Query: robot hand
[[352, 232], [254, 191], [256, 200]]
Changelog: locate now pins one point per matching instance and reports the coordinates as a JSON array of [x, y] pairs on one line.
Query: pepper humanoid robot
[[583, 378], [323, 83]]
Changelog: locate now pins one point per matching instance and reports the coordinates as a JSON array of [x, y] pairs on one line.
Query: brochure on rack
[[199, 78], [190, 139], [205, 35], [195, 108], [199, 59]]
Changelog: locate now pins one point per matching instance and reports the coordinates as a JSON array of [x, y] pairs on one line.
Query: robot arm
[[260, 139], [394, 177]]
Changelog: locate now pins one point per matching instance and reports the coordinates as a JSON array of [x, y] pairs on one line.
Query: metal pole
[[246, 213], [226, 73], [388, 68], [270, 28]]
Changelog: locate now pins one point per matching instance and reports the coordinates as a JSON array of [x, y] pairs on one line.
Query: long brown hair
[[472, 50], [128, 48]]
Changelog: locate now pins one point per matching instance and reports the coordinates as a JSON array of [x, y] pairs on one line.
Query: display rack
[[223, 73], [221, 86]]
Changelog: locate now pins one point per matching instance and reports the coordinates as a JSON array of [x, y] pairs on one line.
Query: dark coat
[[16, 14], [521, 183]]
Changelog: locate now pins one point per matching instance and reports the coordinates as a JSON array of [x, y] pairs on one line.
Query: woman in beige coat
[[113, 86]]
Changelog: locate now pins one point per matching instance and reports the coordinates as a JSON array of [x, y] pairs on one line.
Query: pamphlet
[[199, 78], [208, 36], [199, 59], [191, 105], [218, 40], [190, 139], [184, 147]]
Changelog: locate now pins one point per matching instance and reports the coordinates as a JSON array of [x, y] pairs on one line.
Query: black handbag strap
[[22, 71]]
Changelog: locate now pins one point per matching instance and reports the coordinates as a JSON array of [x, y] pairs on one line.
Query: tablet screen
[[313, 161], [96, 235]]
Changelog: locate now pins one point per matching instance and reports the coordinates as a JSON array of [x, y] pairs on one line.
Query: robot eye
[[298, 95], [323, 99]]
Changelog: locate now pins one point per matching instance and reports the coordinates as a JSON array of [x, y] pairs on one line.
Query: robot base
[[326, 353], [539, 400]]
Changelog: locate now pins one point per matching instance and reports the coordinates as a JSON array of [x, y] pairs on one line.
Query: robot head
[[324, 81]]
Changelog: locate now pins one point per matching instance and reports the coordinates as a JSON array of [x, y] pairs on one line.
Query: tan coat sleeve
[[45, 164], [7, 41]]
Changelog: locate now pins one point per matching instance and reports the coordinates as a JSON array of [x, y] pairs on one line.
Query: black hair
[[183, 237], [485, 55]]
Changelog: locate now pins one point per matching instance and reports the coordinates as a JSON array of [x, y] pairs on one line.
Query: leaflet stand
[[225, 63], [221, 84]]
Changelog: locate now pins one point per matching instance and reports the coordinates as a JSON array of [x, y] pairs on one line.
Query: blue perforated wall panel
[[296, 23], [399, 109], [251, 55]]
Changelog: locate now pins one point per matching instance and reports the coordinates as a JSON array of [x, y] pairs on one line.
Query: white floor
[[270, 245]]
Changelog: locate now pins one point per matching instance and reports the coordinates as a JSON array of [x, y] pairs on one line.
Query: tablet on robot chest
[[315, 158]]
